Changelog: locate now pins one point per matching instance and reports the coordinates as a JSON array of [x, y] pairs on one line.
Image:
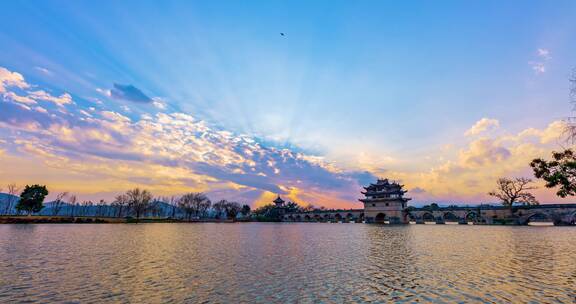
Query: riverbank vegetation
[[135, 205]]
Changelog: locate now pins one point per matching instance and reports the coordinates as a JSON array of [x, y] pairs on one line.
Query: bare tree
[[57, 204], [120, 204], [86, 205], [203, 208], [512, 191], [245, 210], [219, 207], [232, 209], [101, 208], [155, 207], [12, 197], [193, 203], [570, 122], [309, 208], [72, 202], [185, 204], [139, 201], [173, 202]]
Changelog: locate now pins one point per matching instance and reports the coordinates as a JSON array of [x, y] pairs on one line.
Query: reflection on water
[[297, 262]]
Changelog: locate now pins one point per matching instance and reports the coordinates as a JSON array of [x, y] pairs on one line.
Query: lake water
[[287, 263]]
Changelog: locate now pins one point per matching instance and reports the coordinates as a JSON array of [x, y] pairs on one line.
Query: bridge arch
[[307, 218], [349, 217], [380, 218], [298, 218], [428, 217], [338, 217], [572, 219], [450, 217], [538, 217], [471, 216], [410, 216], [317, 217]]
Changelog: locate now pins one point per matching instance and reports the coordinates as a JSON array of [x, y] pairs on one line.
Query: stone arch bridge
[[341, 215], [558, 214]]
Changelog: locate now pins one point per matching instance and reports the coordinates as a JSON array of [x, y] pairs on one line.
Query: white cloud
[[539, 66], [482, 125], [11, 79], [471, 173], [544, 53], [43, 95], [159, 104], [14, 79], [551, 134], [113, 116], [17, 98], [173, 151], [85, 113], [483, 151], [44, 71], [104, 92], [41, 110]]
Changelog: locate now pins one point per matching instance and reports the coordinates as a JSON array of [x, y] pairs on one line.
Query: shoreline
[[59, 219], [48, 219]]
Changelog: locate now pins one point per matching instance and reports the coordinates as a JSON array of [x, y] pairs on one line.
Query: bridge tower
[[384, 202], [279, 207]]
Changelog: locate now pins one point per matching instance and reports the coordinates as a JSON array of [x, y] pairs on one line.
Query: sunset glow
[[97, 98]]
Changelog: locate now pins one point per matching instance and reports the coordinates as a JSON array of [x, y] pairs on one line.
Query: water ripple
[[286, 263]]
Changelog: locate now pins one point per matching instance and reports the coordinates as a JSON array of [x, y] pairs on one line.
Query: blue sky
[[369, 86]]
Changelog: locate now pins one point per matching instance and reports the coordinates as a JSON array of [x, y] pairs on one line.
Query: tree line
[[135, 203]]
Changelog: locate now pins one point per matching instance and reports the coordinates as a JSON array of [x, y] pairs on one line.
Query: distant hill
[[4, 199], [163, 209]]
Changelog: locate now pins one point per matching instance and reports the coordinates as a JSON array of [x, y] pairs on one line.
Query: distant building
[[278, 202], [385, 202], [279, 208]]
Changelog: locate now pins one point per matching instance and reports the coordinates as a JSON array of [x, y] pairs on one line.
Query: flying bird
[[282, 34]]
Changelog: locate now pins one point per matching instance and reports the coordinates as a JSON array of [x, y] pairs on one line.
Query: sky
[[97, 97]]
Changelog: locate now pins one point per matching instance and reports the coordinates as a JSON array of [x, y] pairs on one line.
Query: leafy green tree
[[292, 207], [266, 213], [32, 199], [263, 210], [559, 172], [431, 207]]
